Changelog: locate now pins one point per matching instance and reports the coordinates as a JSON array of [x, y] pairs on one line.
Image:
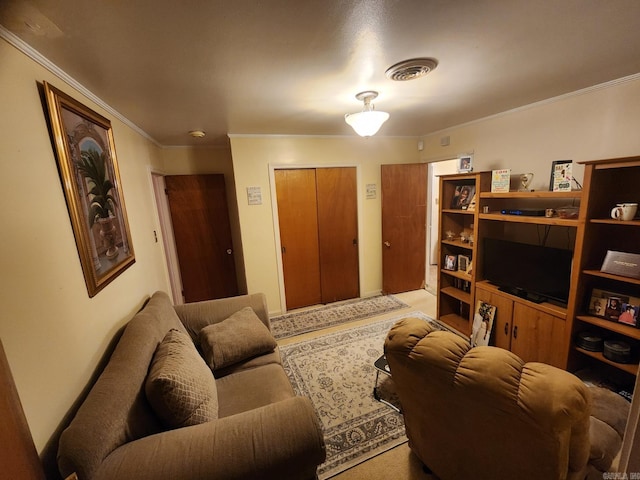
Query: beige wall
[[53, 333], [596, 123], [252, 159]]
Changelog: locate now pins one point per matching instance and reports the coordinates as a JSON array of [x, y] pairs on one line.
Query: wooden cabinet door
[[298, 220], [338, 233], [502, 322], [404, 227], [202, 231], [537, 336]]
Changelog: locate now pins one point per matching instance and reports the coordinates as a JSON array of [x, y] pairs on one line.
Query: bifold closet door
[[298, 217], [317, 210]]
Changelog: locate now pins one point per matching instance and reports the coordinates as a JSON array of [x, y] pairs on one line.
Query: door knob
[[387, 244], [229, 251]]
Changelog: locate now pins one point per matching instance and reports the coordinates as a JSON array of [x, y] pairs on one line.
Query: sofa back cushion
[[116, 409], [180, 387]]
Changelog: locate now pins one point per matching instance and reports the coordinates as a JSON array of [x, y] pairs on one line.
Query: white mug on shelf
[[624, 211]]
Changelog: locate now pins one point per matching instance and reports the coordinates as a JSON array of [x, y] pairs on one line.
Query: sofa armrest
[[280, 440], [195, 316]]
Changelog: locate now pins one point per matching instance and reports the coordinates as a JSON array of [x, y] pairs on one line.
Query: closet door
[[338, 233], [298, 217]]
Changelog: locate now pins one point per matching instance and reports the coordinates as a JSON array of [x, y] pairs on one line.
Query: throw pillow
[[239, 337], [180, 386]]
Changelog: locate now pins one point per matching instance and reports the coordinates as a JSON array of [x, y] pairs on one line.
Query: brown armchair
[[483, 413]]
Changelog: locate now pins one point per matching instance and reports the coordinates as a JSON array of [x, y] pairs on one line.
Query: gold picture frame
[[86, 155]]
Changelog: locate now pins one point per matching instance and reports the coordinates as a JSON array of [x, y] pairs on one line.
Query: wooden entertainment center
[[543, 331]]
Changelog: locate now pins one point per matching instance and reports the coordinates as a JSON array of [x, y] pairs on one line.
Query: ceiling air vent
[[411, 69]]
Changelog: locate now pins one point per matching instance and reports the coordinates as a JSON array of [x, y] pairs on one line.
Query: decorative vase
[[108, 234]]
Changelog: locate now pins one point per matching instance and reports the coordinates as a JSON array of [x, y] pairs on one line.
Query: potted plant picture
[[102, 204]]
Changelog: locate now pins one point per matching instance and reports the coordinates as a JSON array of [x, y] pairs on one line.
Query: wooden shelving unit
[[456, 288], [606, 183]]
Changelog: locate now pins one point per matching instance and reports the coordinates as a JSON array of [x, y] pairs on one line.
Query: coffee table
[[382, 366]]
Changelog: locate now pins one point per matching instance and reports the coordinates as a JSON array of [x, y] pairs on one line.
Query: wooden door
[[537, 336], [338, 233], [298, 220], [404, 217], [18, 456], [200, 219]]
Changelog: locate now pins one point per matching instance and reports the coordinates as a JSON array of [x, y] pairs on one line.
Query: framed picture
[[85, 150], [482, 323], [465, 164], [561, 176], [463, 263], [450, 262], [462, 196], [615, 306]]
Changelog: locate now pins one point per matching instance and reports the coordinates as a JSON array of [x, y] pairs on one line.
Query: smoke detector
[[197, 133], [411, 69]]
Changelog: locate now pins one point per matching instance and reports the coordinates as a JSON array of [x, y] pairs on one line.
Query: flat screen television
[[534, 272]]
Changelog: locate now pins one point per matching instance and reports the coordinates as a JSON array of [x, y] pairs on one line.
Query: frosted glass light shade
[[367, 123]]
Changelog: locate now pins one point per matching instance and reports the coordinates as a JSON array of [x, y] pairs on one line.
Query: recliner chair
[[483, 413]]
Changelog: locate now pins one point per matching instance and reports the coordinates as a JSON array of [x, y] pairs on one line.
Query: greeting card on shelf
[[561, 176], [500, 180]]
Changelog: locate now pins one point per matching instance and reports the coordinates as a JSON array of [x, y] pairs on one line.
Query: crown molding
[[41, 60]]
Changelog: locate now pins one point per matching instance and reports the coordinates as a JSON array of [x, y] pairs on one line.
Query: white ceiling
[[294, 67]]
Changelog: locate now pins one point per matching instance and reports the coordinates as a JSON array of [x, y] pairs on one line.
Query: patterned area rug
[[336, 372], [292, 324]]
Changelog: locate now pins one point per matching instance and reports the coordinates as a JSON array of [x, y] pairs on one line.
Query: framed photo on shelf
[[561, 176], [615, 306], [450, 262], [462, 196], [463, 263], [482, 323], [465, 164]]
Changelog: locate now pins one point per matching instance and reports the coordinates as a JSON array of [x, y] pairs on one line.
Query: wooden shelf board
[[458, 243], [566, 222], [546, 307], [619, 278], [456, 210], [532, 195], [458, 274], [620, 328], [457, 322], [457, 294], [631, 368], [611, 221]]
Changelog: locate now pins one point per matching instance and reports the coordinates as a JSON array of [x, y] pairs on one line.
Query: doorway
[[443, 167]]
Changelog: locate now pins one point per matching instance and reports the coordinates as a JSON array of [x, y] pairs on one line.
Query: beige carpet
[[397, 463]]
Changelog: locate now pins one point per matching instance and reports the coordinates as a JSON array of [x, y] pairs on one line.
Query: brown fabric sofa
[[262, 431], [483, 413]]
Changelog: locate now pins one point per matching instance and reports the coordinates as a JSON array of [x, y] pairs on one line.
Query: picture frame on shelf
[[463, 263], [85, 151], [561, 176], [482, 324], [614, 306], [500, 180], [462, 197], [450, 262], [465, 164]]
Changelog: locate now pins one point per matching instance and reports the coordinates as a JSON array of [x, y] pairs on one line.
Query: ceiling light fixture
[[197, 133], [367, 122]]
